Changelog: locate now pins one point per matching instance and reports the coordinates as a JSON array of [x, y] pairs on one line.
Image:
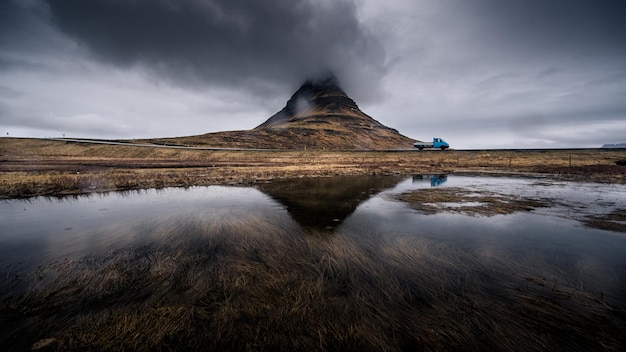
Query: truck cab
[[440, 143]]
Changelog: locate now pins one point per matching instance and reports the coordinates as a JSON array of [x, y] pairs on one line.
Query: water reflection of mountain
[[324, 202]]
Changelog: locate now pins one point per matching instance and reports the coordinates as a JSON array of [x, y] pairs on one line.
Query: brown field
[[31, 167]]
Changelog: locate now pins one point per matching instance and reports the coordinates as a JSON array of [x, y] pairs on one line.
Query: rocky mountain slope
[[319, 115]]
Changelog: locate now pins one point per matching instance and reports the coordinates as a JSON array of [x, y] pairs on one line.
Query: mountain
[[319, 115]]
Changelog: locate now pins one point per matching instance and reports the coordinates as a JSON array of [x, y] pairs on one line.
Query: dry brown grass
[[614, 221], [42, 167], [245, 284]]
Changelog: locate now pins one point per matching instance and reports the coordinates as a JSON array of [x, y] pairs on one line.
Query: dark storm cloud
[[245, 43]]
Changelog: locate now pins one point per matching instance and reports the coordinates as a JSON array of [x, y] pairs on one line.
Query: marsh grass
[[614, 221], [251, 283], [469, 202], [31, 167]]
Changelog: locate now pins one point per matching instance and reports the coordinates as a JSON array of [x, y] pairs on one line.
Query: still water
[[318, 264], [41, 230]]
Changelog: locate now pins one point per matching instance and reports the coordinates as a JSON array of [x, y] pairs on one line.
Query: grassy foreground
[[31, 167], [245, 284]]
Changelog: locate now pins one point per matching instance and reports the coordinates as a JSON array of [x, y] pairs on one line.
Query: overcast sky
[[478, 73]]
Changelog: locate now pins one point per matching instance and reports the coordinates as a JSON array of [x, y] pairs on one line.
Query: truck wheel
[[420, 148], [443, 148]]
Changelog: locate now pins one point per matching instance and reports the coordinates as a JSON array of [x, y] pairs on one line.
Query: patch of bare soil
[[484, 203], [614, 221], [469, 202]]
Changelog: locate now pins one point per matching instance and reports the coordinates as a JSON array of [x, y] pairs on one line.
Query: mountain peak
[[321, 115], [315, 100]]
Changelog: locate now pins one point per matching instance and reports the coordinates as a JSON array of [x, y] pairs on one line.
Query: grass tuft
[[246, 284]]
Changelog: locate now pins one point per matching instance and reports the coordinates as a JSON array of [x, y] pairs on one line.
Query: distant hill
[[319, 115], [619, 145]]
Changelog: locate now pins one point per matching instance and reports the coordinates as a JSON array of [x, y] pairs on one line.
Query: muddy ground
[[486, 203], [31, 167]]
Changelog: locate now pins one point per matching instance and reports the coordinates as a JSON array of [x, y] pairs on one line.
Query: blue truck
[[436, 143]]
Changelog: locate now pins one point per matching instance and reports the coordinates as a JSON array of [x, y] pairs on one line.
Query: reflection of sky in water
[[41, 230], [546, 235], [546, 227], [573, 199]]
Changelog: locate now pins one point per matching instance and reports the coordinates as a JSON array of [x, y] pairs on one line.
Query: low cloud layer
[[481, 73]]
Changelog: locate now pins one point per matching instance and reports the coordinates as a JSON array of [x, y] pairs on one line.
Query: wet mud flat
[[269, 268], [489, 203], [465, 201]]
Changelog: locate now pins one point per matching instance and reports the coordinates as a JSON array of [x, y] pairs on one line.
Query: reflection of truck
[[435, 180], [436, 143]]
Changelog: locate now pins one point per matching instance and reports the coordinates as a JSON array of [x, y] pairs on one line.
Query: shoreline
[[234, 268], [32, 167]]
